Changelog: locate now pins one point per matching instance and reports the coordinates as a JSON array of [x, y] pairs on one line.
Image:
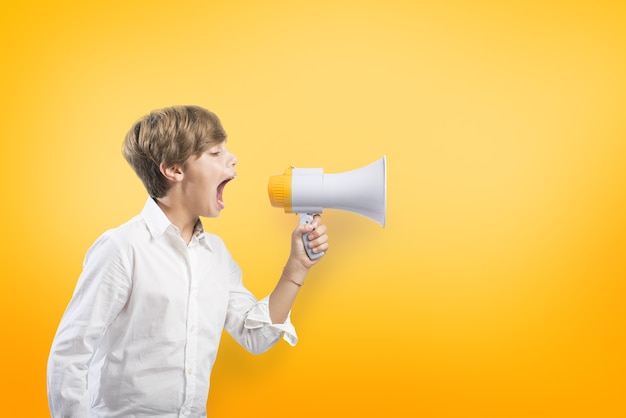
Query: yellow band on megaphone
[[279, 190]]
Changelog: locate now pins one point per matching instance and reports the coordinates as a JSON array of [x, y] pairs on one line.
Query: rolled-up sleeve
[[248, 319], [259, 318]]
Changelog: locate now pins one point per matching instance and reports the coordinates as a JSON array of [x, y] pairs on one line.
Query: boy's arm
[[258, 325], [101, 292], [296, 269]]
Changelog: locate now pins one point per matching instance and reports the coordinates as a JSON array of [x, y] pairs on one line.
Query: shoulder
[[221, 254], [218, 248], [216, 243], [117, 241], [127, 233]]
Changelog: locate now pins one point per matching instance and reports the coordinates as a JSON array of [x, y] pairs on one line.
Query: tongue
[[219, 197]]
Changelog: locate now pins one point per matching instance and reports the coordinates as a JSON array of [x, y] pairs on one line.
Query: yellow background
[[497, 288]]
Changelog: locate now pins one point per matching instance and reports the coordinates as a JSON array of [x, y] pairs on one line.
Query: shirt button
[[190, 371]]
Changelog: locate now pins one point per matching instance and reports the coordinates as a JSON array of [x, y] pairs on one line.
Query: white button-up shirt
[[140, 335]]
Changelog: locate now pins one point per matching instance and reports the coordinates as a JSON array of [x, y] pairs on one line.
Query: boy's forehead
[[219, 144]]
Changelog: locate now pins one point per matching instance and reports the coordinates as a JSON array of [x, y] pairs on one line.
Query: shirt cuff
[[259, 317]]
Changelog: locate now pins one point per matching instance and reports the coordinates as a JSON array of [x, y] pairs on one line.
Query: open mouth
[[220, 192]]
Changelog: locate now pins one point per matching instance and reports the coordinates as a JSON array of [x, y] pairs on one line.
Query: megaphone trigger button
[[305, 218]]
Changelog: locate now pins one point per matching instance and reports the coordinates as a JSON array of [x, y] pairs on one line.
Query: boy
[[140, 334]]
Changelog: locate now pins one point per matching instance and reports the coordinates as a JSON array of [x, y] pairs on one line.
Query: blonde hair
[[169, 136]]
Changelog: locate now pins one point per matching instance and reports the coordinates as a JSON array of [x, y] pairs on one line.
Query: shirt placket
[[191, 332]]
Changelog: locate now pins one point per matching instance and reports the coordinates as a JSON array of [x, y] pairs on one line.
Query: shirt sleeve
[[248, 320], [100, 294], [258, 317]]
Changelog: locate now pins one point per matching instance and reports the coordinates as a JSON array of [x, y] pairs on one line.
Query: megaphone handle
[[307, 218]]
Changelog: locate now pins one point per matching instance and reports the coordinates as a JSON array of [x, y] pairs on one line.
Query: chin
[[212, 213]]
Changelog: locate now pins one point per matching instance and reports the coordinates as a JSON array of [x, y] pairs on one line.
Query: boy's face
[[205, 176]]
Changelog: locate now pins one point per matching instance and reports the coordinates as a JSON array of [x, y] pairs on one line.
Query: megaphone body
[[307, 191]]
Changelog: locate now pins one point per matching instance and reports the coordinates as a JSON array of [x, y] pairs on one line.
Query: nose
[[233, 160]]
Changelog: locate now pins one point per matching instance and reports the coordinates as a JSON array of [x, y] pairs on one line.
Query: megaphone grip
[[307, 218]]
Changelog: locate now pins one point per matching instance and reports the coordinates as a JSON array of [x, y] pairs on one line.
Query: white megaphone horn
[[307, 191]]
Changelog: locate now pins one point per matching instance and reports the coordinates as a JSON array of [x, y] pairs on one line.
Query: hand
[[318, 242]]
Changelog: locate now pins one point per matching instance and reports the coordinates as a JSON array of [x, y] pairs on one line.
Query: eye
[[216, 153]]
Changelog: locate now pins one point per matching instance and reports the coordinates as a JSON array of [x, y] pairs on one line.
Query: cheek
[[210, 184]]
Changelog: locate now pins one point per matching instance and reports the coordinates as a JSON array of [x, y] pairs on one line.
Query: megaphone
[[307, 191]]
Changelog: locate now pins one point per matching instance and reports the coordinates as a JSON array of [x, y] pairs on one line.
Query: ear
[[173, 173]]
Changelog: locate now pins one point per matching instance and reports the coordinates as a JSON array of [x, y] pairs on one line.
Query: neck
[[179, 217]]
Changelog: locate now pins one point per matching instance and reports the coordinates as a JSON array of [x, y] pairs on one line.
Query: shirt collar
[[155, 218], [158, 222], [200, 235]]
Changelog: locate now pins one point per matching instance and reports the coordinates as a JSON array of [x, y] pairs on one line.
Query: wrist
[[296, 267], [295, 272], [288, 278]]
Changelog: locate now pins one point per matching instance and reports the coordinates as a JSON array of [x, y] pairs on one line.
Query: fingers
[[318, 240], [318, 235], [315, 233]]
